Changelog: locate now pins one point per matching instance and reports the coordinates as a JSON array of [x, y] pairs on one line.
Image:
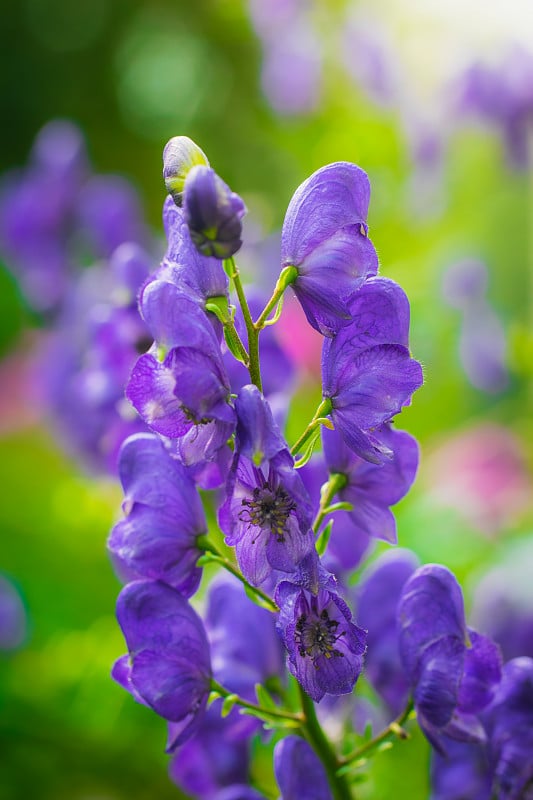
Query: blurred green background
[[132, 74]]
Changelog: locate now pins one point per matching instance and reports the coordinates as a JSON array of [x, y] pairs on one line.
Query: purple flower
[[13, 622], [179, 156], [89, 358], [184, 265], [163, 517], [213, 213], [299, 772], [377, 599], [37, 214], [367, 372], [509, 724], [324, 237], [501, 94], [482, 342], [180, 387], [168, 667], [453, 671], [372, 488], [324, 647], [462, 773], [110, 213], [267, 513]]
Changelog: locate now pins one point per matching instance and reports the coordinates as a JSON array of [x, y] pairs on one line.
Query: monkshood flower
[[509, 724], [267, 512], [299, 772], [184, 265], [213, 213], [180, 387], [377, 595], [13, 621], [168, 667], [324, 647], [453, 671], [367, 372], [462, 773], [179, 156], [163, 517], [372, 489], [324, 238]]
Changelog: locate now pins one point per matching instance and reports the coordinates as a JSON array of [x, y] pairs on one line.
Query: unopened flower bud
[[213, 213], [180, 155]]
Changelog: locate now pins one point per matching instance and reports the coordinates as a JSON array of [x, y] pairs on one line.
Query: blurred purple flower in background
[[13, 619], [501, 94], [291, 73], [377, 597], [482, 340], [38, 213], [55, 216], [86, 362]]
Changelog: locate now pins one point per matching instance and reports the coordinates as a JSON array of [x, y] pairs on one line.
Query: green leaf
[[263, 697], [214, 695], [228, 704], [257, 599], [323, 539], [340, 506]]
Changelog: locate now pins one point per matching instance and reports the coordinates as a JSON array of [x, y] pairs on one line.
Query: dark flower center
[[190, 416], [268, 508], [317, 637]]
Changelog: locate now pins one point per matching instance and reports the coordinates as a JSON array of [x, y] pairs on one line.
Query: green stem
[[253, 334], [323, 410], [317, 739], [337, 481], [394, 729], [267, 712], [232, 338], [287, 276], [203, 543]]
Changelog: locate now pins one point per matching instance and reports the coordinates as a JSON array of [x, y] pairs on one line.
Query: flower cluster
[[210, 392], [203, 389]]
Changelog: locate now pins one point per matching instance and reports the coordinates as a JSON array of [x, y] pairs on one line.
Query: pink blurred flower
[[482, 474]]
